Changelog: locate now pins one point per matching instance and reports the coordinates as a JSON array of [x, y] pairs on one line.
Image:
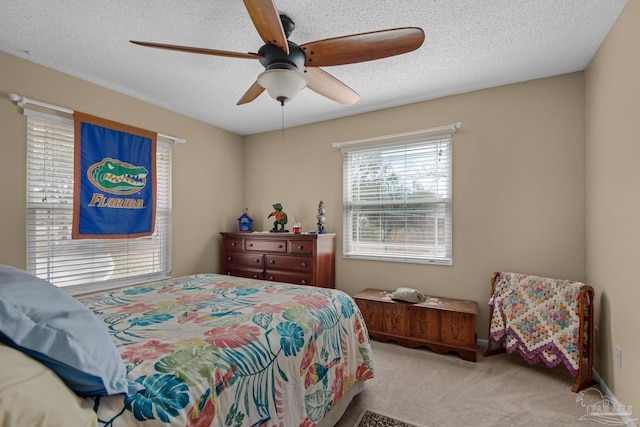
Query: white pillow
[[33, 395]]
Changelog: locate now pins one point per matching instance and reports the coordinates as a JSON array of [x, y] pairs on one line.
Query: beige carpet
[[429, 389]]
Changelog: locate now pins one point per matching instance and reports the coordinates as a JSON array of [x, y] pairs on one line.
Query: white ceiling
[[469, 45]]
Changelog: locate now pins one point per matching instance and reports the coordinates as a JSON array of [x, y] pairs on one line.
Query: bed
[[218, 350]]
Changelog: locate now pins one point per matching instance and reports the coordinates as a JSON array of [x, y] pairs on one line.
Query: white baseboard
[[609, 395]]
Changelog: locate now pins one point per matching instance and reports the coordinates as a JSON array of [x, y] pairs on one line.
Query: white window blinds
[[397, 201], [87, 263]]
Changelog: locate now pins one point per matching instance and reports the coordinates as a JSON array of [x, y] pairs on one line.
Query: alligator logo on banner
[[117, 177], [114, 180]]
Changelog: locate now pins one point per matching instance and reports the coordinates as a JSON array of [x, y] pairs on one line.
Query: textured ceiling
[[469, 45]]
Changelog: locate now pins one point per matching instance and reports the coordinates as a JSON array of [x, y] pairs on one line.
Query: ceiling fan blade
[[266, 19], [200, 50], [362, 47], [252, 93], [328, 86]]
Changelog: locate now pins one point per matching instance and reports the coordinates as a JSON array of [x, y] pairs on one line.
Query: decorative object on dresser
[[245, 223], [303, 259], [280, 219], [322, 219], [544, 320], [441, 324]]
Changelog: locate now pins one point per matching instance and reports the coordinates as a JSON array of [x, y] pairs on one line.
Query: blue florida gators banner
[[114, 180]]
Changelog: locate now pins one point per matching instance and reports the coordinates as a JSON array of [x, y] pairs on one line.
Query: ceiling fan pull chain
[[282, 120]]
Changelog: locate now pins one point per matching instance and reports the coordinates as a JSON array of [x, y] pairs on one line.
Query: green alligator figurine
[[281, 219]]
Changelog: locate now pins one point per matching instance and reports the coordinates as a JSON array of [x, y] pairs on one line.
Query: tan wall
[[207, 170], [518, 185], [613, 201]]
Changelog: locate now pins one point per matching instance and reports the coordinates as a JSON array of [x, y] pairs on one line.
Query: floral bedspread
[[226, 351], [538, 317]]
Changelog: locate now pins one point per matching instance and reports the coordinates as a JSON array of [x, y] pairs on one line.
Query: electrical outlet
[[618, 357]]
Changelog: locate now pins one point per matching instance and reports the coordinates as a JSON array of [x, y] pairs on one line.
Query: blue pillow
[[50, 325]]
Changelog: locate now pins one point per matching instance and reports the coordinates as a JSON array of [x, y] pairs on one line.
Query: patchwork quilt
[[538, 317]]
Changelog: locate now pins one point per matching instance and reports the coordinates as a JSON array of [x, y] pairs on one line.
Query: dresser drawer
[[295, 278], [259, 245], [254, 260], [283, 262], [233, 245], [244, 272], [302, 247]]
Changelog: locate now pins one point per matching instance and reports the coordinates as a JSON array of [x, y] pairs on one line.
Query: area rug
[[369, 418]]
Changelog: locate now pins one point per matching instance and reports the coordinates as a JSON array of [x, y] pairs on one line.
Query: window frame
[[408, 209], [85, 265]]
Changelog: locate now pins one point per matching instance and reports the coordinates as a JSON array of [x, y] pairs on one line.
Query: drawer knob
[[304, 264], [233, 243], [271, 278], [229, 258], [256, 260], [299, 247], [250, 245], [273, 261], [304, 282], [279, 246], [255, 276]]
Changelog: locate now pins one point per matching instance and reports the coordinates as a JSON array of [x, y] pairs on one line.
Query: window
[[397, 201], [85, 264]]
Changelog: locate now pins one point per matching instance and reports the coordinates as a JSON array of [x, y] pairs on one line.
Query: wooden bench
[[441, 324]]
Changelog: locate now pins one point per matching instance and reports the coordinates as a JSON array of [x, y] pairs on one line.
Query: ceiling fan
[[290, 67]]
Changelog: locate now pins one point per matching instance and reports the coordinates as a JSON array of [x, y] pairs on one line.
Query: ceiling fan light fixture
[[282, 84]]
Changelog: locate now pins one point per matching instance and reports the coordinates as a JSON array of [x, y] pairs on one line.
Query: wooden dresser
[[303, 259], [442, 324]]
